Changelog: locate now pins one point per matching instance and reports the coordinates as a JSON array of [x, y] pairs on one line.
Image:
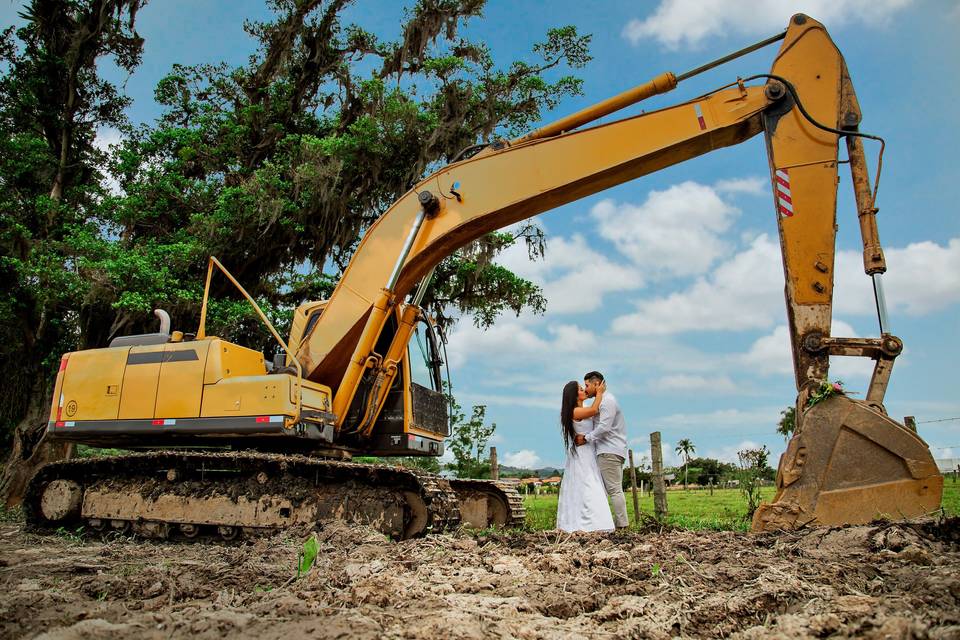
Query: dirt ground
[[882, 581]]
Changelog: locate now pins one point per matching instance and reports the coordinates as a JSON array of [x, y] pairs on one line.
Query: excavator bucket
[[850, 464]]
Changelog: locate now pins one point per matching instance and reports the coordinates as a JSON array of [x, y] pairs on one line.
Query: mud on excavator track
[[489, 503], [176, 494]]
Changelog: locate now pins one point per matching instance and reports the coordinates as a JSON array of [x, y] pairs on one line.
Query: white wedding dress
[[583, 502]]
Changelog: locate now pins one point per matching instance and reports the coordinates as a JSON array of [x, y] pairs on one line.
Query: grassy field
[[697, 509]]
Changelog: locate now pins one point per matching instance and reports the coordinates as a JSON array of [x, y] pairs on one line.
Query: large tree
[[52, 101], [278, 166]]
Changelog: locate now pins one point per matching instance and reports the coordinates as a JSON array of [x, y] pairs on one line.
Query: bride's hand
[[603, 387]]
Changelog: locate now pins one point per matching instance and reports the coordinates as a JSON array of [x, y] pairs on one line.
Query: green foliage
[[753, 469], [430, 464], [307, 556], [469, 442], [52, 192], [471, 282], [276, 166], [14, 515], [74, 536], [694, 510], [788, 422], [85, 451], [705, 470]]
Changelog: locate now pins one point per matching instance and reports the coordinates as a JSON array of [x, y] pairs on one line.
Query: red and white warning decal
[[700, 120], [781, 183]]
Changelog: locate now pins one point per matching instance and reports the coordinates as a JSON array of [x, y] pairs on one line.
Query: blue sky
[[672, 285]]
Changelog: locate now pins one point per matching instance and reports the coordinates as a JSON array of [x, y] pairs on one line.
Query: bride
[[583, 501]]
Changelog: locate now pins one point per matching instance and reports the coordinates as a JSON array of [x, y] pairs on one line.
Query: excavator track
[[174, 494], [486, 503]]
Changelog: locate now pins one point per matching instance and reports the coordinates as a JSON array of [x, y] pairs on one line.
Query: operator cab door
[[428, 407]]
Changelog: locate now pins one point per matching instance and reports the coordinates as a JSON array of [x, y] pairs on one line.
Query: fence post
[[633, 487], [659, 488], [494, 467]]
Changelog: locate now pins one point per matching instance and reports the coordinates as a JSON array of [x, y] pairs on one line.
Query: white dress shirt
[[610, 430]]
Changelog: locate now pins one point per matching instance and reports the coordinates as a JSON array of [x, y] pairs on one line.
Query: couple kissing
[[595, 439]]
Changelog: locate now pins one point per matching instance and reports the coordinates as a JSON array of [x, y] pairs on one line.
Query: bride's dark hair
[[571, 394]]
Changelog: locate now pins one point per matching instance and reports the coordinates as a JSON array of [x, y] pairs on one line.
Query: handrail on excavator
[[202, 329]]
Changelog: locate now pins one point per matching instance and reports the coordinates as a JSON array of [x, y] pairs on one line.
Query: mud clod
[[878, 581]]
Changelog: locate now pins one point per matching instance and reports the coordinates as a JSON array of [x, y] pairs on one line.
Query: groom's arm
[[608, 411]]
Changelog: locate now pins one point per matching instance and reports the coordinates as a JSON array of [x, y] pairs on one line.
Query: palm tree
[[685, 448]]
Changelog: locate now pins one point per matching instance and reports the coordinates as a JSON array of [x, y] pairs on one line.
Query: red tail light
[[63, 363]]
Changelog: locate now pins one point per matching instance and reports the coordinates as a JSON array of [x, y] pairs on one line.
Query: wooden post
[[659, 488], [711, 485], [642, 488], [494, 467], [633, 487]]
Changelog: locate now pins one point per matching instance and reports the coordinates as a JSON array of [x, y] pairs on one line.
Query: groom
[[610, 436]]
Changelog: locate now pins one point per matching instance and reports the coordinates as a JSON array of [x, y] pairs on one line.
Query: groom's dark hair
[[595, 376]]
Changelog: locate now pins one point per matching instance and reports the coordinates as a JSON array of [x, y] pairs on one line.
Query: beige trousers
[[611, 470]]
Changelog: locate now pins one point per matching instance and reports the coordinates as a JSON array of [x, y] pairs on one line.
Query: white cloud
[[753, 185], [525, 459], [689, 23], [921, 278], [745, 292], [574, 276], [723, 418], [521, 399], [517, 341], [770, 354], [685, 383], [675, 232], [729, 453]]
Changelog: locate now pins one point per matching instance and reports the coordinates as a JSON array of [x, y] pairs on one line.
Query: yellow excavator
[[237, 444]]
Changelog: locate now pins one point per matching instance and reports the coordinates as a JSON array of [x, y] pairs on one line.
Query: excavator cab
[[415, 417]]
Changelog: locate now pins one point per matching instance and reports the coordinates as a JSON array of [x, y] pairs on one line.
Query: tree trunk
[[30, 451]]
